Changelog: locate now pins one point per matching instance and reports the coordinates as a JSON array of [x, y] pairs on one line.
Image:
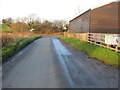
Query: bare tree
[[59, 23], [20, 27], [31, 19], [7, 21], [78, 11]]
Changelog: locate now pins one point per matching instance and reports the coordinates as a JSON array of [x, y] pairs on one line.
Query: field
[[5, 28], [105, 55]]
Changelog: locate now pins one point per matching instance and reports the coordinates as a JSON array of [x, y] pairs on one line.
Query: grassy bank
[[5, 28], [15, 46], [106, 55]]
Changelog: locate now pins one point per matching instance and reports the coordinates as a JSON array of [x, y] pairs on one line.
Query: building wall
[[119, 17], [81, 23], [105, 19]]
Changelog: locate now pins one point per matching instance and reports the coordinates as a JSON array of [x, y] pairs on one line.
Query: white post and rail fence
[[111, 41]]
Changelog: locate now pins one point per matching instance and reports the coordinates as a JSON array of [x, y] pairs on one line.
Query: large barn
[[103, 19]]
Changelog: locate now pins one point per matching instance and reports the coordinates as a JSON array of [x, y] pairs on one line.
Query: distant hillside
[[4, 28]]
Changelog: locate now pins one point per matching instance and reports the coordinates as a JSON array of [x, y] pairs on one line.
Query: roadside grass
[[5, 28], [16, 46], [54, 34], [105, 55]]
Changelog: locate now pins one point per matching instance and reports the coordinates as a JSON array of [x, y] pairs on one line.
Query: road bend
[[47, 63]]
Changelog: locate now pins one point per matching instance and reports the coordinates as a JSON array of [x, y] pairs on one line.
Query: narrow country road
[[51, 63]]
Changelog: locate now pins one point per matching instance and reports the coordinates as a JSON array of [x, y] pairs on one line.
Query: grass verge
[[16, 46], [106, 55]]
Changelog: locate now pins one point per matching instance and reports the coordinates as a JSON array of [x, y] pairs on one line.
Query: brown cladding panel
[[105, 19], [119, 17], [81, 23]]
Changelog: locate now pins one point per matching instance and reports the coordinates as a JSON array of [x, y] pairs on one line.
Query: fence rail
[[100, 40]]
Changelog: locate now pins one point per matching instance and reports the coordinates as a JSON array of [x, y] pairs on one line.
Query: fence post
[[116, 48]]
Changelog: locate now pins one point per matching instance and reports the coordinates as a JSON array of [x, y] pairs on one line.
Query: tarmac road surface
[[51, 63]]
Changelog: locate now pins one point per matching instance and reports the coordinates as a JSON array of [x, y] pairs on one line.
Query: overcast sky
[[47, 9]]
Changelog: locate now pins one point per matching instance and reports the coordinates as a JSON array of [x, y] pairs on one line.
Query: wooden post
[[116, 48], [108, 45]]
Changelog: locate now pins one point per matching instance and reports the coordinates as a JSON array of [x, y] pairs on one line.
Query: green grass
[[106, 55], [16, 46], [5, 28]]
